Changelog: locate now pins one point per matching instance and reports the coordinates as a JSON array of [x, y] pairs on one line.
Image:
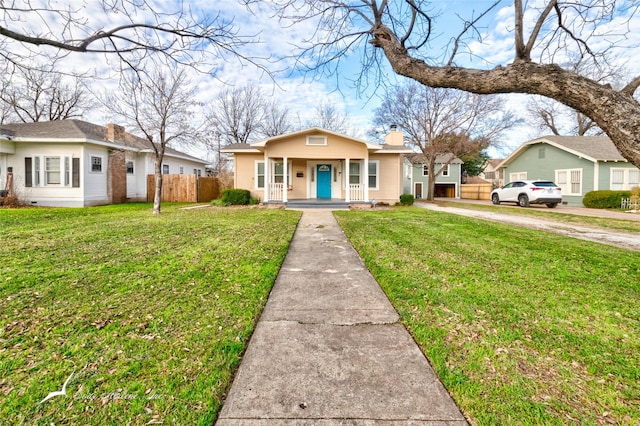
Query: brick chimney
[[395, 137], [115, 133]]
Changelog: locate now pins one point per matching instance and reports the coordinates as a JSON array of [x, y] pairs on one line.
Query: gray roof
[[237, 146], [597, 147], [78, 129], [59, 129], [440, 158]]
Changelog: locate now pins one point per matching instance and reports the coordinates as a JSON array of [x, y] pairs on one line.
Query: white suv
[[525, 192]]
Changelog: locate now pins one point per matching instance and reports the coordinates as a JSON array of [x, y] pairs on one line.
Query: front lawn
[[523, 327], [542, 212], [149, 315]]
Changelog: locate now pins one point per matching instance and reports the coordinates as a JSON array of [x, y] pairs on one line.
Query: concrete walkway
[[329, 348]]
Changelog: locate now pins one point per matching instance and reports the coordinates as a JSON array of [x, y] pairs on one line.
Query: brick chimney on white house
[[395, 137], [115, 133]]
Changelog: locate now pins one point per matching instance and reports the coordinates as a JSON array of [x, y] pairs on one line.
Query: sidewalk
[[329, 348]]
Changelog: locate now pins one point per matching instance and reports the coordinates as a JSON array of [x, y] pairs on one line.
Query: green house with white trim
[[416, 179], [577, 164]]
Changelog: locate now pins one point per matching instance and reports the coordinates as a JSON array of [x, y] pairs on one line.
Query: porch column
[[365, 183], [285, 179], [267, 178], [347, 195]]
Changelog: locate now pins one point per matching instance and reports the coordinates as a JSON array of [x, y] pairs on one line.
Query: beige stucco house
[[317, 164]]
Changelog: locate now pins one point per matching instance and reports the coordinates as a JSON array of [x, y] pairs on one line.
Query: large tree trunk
[[431, 182], [616, 112], [157, 195]]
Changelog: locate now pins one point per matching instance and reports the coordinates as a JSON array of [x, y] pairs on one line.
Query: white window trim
[[39, 171], [272, 172], [60, 170], [445, 170], [517, 176], [425, 170], [359, 163], [256, 183], [566, 187], [626, 181], [91, 157], [324, 140], [377, 164], [133, 168]]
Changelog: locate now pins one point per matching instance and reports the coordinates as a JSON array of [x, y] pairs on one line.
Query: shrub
[[606, 199], [11, 201], [406, 200], [232, 197]]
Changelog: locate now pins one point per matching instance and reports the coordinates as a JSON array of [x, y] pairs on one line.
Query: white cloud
[[276, 40]]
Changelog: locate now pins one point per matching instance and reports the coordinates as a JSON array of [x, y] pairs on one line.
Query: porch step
[[318, 204]]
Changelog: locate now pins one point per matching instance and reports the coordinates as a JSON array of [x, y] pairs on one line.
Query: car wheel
[[495, 199], [523, 200], [552, 205]]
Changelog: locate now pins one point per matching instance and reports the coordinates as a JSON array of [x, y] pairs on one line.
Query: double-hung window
[[374, 172], [354, 173], [570, 181], [96, 164], [50, 170], [259, 174], [624, 178]]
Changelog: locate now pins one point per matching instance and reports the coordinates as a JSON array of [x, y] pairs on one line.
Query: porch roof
[[258, 146]]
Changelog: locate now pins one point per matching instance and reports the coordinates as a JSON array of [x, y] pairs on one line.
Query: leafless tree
[[159, 106], [559, 119], [403, 33], [276, 120], [442, 123], [129, 30], [236, 114], [327, 116], [40, 94]]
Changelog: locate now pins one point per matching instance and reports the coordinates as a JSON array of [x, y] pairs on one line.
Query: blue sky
[[302, 92]]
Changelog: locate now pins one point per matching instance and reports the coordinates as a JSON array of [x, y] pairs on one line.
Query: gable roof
[[81, 131], [257, 146], [419, 158], [592, 148]]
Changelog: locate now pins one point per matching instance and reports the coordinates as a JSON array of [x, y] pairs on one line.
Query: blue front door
[[323, 183]]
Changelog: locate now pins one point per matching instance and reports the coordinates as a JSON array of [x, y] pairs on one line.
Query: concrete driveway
[[626, 240]]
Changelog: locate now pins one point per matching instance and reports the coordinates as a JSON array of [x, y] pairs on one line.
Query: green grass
[[539, 211], [151, 313], [523, 327]]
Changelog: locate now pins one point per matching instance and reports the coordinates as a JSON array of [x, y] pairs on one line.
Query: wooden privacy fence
[[184, 188], [476, 191]]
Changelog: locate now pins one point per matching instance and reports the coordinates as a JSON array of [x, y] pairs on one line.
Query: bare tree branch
[[442, 122], [139, 29], [594, 28], [159, 106]]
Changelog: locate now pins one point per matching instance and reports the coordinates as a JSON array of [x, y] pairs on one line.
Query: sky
[[301, 92]]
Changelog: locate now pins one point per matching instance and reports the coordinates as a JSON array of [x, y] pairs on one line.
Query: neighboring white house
[[73, 163]]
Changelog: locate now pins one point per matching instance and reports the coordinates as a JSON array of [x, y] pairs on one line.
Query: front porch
[[319, 181]]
